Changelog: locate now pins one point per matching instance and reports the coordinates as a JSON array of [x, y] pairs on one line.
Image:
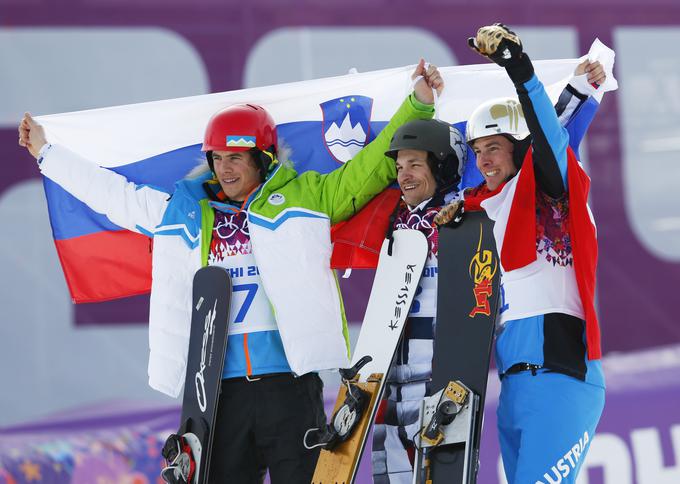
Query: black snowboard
[[467, 305], [207, 345]]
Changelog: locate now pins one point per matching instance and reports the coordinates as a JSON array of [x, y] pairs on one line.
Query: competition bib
[[250, 310], [425, 302]]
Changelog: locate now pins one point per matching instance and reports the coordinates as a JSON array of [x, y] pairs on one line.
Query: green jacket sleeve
[[344, 191]]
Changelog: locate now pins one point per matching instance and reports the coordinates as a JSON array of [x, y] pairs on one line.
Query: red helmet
[[240, 127]]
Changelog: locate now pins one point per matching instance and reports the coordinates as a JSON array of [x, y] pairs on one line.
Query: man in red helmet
[[270, 227]]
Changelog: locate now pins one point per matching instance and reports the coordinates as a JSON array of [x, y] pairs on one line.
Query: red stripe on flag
[[106, 265], [357, 242]]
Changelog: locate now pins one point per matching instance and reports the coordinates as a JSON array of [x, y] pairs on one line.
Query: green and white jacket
[[289, 220]]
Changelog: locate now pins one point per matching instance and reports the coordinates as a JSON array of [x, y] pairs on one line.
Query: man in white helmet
[[430, 157], [548, 339]]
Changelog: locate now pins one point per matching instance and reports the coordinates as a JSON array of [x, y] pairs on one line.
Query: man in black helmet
[[430, 156], [427, 158]]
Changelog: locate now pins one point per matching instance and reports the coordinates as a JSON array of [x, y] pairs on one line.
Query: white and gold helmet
[[497, 116]]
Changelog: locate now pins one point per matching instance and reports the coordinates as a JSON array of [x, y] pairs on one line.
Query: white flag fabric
[[323, 123]]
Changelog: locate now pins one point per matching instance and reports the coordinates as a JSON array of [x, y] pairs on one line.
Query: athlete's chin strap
[[389, 235]]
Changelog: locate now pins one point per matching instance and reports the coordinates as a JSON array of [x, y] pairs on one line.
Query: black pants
[[260, 426]]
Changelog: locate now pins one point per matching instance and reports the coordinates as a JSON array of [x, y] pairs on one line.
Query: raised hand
[[498, 43], [431, 79], [595, 71], [31, 135]]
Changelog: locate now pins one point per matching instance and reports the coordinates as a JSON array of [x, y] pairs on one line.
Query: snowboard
[[205, 363], [400, 266], [467, 305]]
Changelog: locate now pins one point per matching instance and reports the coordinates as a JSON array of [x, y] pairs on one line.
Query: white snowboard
[[394, 287]]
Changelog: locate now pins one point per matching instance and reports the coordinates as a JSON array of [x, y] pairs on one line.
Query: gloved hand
[[450, 214], [498, 43]]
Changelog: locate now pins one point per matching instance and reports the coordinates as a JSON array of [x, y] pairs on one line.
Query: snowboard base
[[211, 297], [400, 266], [467, 306]]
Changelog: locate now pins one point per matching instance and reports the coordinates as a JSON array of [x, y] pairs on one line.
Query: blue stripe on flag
[[72, 218]]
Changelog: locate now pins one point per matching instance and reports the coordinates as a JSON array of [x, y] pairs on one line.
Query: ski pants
[[545, 424], [260, 425], [397, 421], [395, 426]]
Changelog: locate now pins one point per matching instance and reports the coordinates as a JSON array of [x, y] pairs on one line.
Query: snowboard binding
[[179, 457], [450, 414], [345, 419], [450, 405]]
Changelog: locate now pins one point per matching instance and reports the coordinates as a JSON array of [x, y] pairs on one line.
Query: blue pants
[[545, 425]]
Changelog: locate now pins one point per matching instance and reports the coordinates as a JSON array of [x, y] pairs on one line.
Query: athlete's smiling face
[[237, 173], [415, 176], [494, 159]]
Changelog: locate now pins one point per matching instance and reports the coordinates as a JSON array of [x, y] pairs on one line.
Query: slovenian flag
[[322, 123]]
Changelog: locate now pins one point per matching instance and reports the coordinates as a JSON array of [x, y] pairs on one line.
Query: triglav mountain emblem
[[346, 125]]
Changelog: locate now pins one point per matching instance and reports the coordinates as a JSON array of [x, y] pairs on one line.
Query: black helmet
[[445, 144]]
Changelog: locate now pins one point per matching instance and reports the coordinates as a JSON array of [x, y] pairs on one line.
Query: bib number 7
[[251, 290]]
